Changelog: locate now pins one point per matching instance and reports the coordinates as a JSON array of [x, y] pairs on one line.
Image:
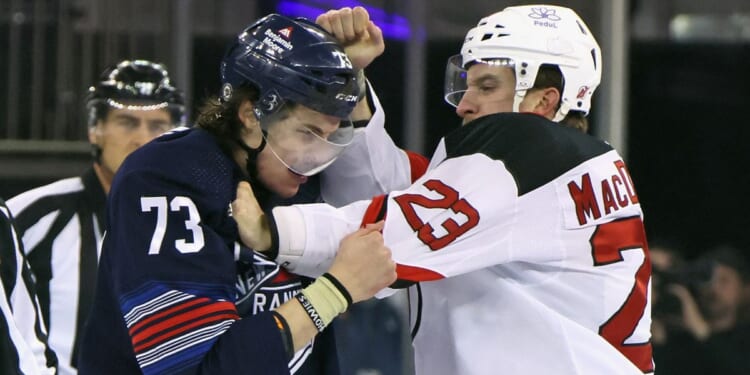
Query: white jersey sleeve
[[370, 166], [468, 212]]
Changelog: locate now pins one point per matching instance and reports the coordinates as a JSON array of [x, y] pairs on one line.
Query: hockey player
[[176, 292], [524, 238]]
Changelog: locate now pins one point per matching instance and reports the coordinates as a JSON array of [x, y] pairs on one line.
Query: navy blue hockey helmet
[[138, 85], [290, 60]]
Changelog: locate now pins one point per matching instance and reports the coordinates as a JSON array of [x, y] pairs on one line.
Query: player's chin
[[289, 188]]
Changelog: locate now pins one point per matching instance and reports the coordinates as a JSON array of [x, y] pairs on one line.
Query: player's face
[[490, 90], [123, 131], [295, 139]]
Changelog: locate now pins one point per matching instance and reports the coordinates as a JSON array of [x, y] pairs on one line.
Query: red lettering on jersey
[[585, 200], [608, 198], [608, 242], [622, 199], [450, 201], [625, 175]]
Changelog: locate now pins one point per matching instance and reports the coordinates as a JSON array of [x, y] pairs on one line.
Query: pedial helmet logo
[[544, 14]]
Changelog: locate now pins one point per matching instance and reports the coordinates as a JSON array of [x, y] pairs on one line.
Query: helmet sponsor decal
[[544, 17], [276, 42], [286, 32], [346, 97], [582, 92], [544, 14]]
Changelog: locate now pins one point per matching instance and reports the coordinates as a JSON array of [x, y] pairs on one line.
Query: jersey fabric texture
[[61, 225], [23, 339], [176, 293], [527, 243]]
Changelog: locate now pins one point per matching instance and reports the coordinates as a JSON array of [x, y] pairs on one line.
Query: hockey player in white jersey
[[523, 242]]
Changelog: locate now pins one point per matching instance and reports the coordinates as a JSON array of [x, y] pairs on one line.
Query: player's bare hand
[[363, 263], [361, 38], [251, 220]]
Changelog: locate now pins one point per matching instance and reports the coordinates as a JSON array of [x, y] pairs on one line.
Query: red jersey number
[[449, 200], [608, 242]]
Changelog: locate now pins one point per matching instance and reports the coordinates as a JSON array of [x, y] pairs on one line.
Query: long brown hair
[[220, 118]]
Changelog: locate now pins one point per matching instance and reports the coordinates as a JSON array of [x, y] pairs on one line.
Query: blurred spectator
[[722, 301], [676, 351], [698, 326]]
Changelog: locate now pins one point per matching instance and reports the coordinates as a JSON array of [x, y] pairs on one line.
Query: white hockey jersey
[[527, 243]]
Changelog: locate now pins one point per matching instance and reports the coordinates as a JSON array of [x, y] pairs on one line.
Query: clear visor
[[456, 75], [306, 144]]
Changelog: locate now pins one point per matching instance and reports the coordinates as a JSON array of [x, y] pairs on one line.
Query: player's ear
[[548, 102], [246, 115], [543, 102], [95, 132], [251, 126]]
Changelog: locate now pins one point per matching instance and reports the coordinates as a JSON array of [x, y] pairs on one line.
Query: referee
[[61, 223], [23, 340]]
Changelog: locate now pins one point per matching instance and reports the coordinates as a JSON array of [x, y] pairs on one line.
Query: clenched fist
[[361, 38], [363, 263]]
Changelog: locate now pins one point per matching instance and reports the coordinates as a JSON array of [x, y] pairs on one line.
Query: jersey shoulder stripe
[[533, 149]]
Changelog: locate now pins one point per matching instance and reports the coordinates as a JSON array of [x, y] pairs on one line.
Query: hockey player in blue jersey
[[177, 292]]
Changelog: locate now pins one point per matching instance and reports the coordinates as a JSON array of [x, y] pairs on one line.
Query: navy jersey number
[[149, 204]]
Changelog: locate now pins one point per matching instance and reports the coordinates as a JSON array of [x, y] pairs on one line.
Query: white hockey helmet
[[525, 37]]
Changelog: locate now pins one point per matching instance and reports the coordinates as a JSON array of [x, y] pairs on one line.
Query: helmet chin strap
[[561, 113], [251, 167]]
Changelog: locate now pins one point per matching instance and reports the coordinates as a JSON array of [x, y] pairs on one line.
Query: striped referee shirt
[[23, 339], [61, 228]]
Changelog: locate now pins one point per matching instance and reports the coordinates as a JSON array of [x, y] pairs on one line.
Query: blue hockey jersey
[[176, 291]]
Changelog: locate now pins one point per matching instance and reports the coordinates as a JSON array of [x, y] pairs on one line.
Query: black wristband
[[286, 334], [311, 312], [273, 252], [340, 288]]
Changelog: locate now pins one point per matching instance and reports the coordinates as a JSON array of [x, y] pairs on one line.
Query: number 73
[[192, 223]]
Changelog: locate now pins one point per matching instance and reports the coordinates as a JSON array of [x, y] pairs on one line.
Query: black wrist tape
[[311, 312]]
